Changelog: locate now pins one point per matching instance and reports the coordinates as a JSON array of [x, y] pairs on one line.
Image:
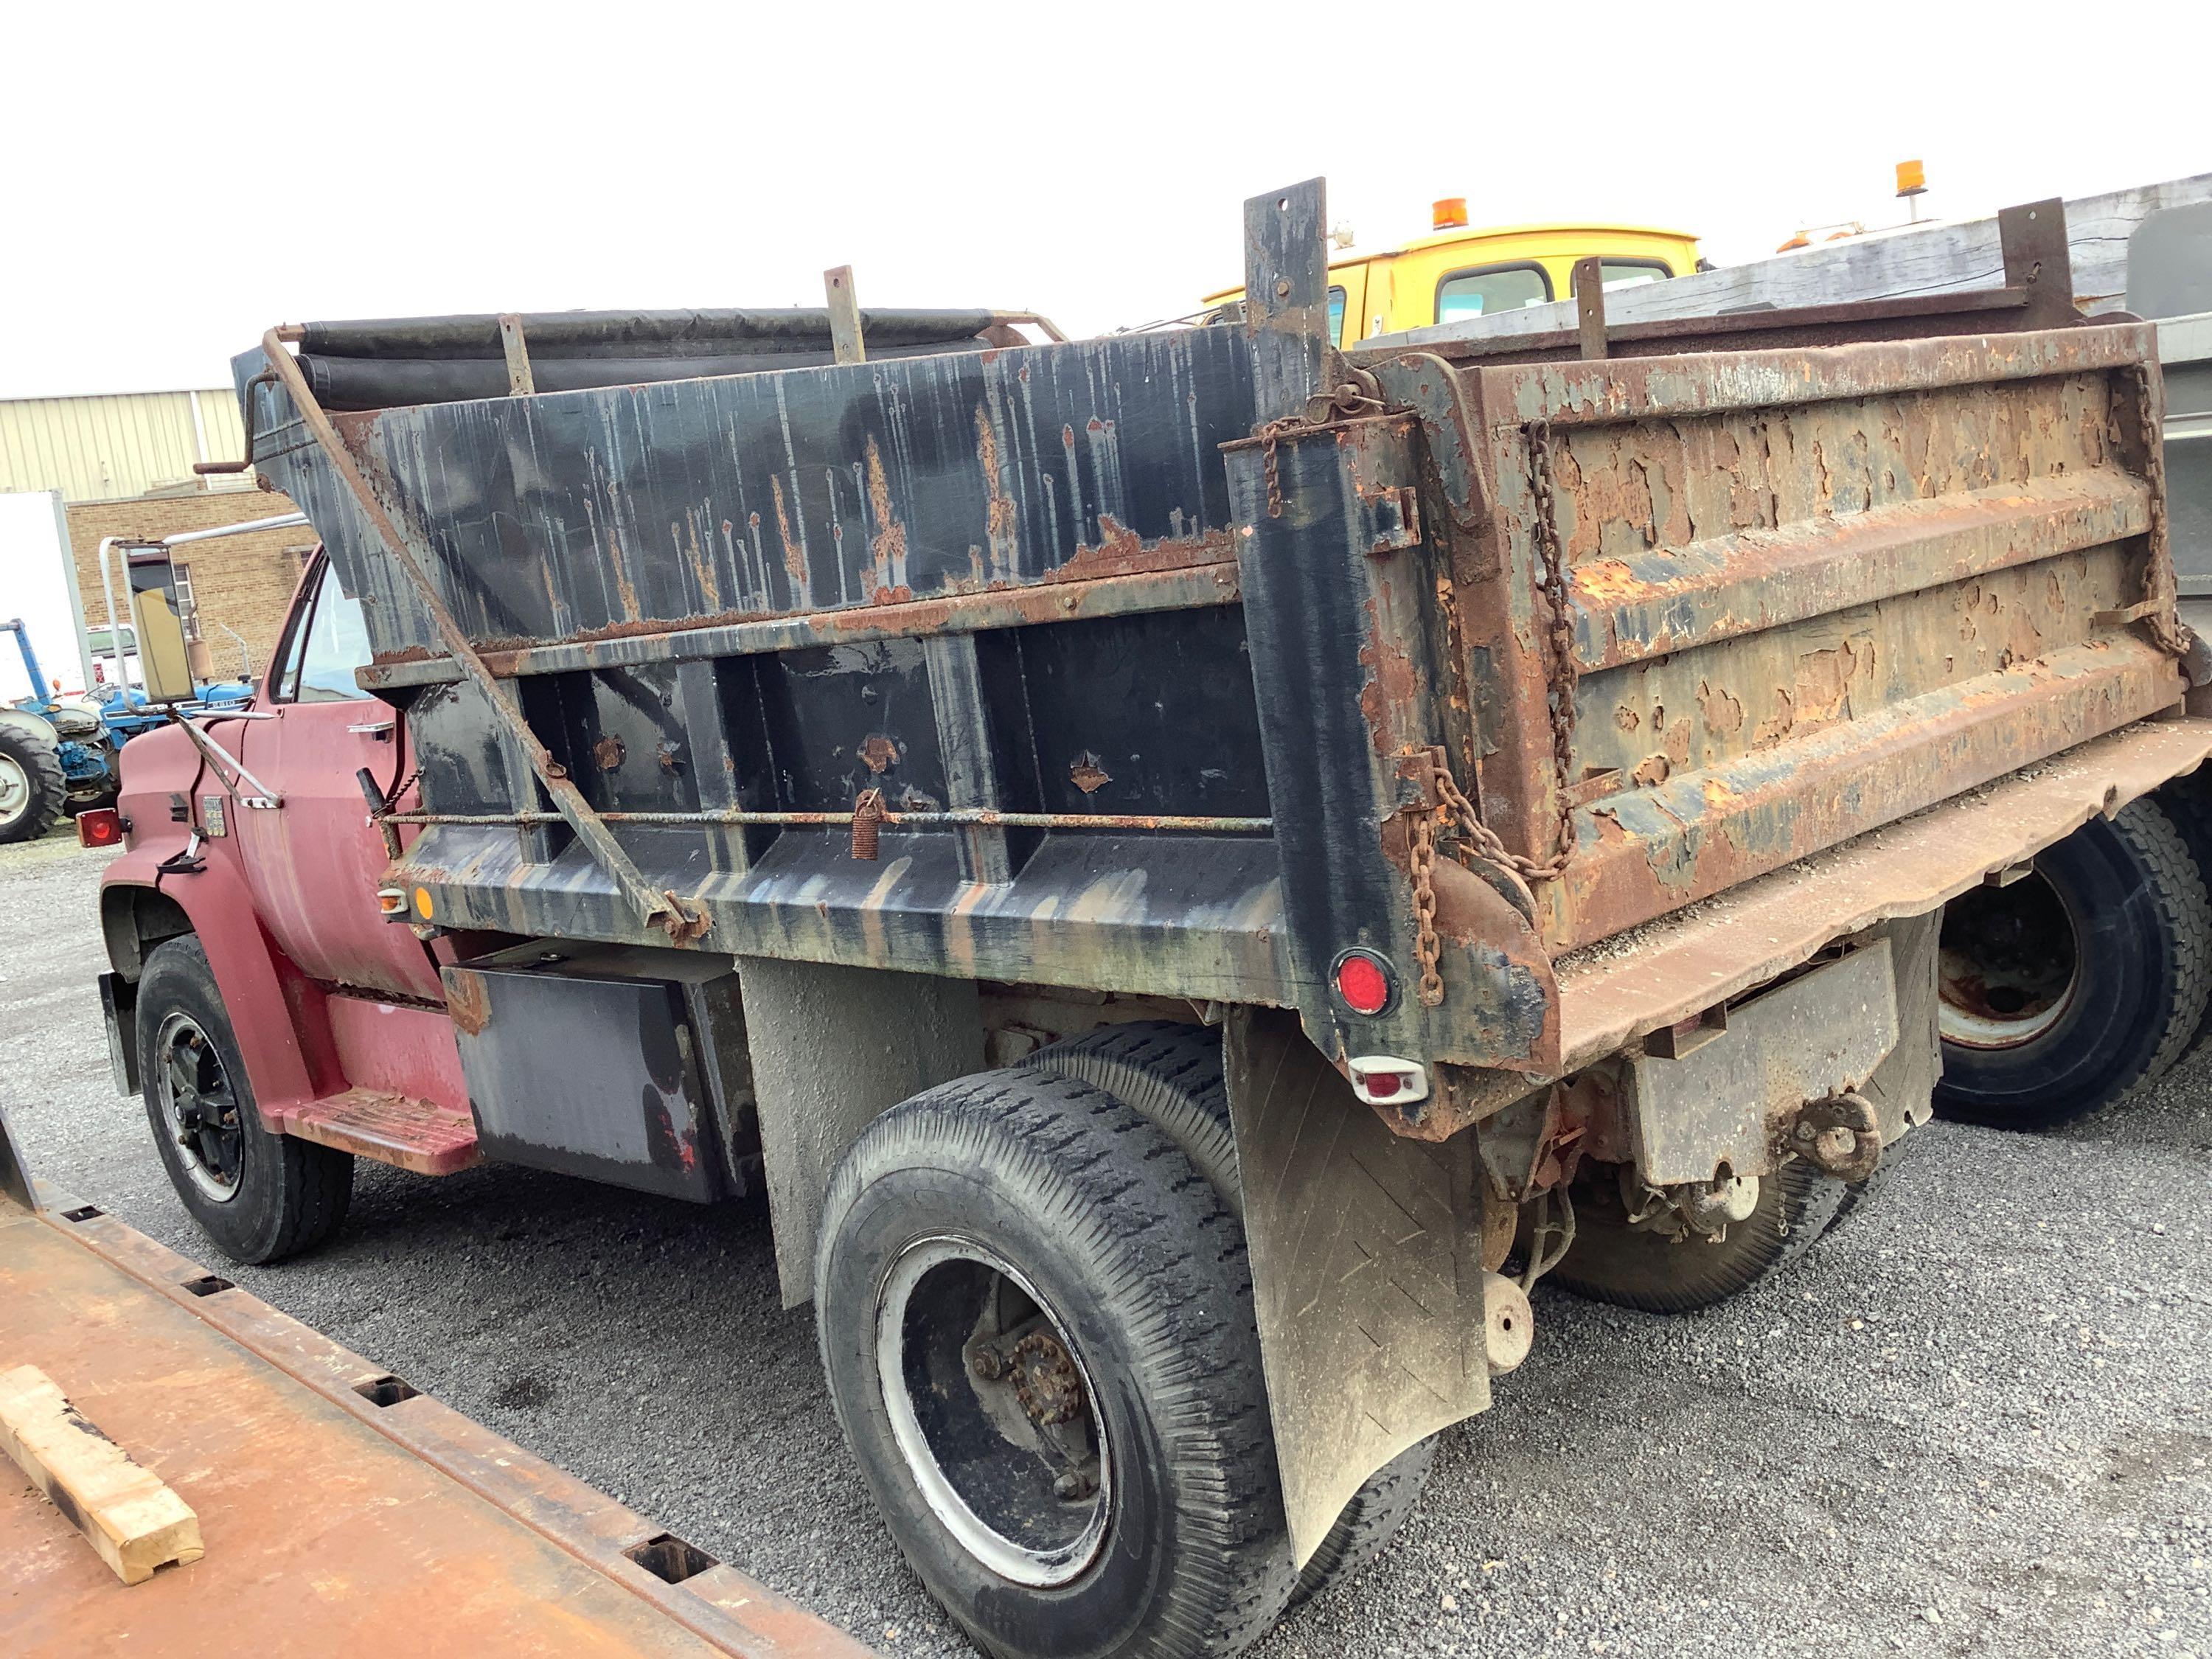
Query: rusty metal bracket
[[845, 342], [1427, 387], [2037, 263], [520, 382], [681, 919], [1838, 1135], [1589, 305]]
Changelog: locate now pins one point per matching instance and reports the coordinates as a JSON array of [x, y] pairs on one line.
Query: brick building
[[240, 586], [123, 465]]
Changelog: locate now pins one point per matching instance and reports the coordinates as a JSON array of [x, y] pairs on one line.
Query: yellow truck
[[1456, 272]]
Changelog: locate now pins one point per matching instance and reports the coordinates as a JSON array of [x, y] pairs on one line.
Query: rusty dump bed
[[1180, 663], [1811, 592]]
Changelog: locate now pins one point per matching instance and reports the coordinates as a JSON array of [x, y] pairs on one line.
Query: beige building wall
[[107, 448], [242, 584]]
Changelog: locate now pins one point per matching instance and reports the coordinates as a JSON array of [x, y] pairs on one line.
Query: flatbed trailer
[[341, 1511], [1171, 859]]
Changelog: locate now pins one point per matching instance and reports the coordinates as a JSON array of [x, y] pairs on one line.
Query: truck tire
[[1036, 1319], [1370, 1521], [260, 1197], [32, 786], [1171, 1073], [1637, 1267], [2067, 991]]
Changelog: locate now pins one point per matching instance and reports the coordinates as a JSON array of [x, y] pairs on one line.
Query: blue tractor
[[60, 754]]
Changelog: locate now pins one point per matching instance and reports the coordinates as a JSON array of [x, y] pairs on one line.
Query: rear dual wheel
[[2068, 990], [1035, 1321], [1036, 1316]]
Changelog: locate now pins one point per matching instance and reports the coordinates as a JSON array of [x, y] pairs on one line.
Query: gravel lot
[[1975, 1421]]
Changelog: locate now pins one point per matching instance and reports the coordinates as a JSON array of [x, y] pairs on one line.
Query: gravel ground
[[1974, 1421]]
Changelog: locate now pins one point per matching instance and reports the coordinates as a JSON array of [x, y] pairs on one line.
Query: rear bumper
[[1684, 963]]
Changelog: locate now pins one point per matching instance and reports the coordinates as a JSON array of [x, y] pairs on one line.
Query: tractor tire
[[1637, 1267], [2073, 987], [32, 786], [1036, 1319], [260, 1197]]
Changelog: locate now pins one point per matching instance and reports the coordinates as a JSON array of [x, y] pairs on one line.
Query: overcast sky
[[179, 177]]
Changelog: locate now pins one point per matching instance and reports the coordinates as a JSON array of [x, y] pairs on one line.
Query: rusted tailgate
[[1811, 590]]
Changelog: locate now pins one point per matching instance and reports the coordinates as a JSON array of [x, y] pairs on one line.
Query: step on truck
[[1191, 869]]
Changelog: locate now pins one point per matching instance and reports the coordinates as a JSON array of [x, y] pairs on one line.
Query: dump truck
[[1188, 870]]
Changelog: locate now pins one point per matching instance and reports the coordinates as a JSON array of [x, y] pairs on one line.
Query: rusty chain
[[2159, 587], [1559, 675], [1421, 850]]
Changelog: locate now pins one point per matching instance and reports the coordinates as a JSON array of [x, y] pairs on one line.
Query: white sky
[[322, 161]]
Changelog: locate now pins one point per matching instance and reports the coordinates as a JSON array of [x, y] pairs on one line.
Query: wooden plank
[[1934, 258], [134, 1521]]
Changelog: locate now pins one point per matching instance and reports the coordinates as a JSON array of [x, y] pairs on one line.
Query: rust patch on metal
[[1120, 551], [1390, 684], [1086, 775], [607, 753], [795, 552], [887, 546], [468, 1003], [879, 752], [1000, 515], [1724, 712]]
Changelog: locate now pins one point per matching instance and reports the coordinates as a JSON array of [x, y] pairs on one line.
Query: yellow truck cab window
[[1632, 273], [1336, 314], [1488, 289]]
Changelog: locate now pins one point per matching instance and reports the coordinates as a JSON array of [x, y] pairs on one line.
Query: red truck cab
[[260, 992]]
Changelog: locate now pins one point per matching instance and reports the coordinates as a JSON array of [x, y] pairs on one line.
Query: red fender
[[278, 1015]]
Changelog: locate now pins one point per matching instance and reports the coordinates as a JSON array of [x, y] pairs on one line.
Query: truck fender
[[277, 1014], [833, 1047], [36, 725]]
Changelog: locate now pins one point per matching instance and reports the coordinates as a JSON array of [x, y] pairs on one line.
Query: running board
[[391, 1128]]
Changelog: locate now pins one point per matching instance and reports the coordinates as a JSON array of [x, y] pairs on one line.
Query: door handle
[[372, 729]]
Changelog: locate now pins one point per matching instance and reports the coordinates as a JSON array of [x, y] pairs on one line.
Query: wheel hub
[[200, 1107], [2010, 964], [994, 1413]]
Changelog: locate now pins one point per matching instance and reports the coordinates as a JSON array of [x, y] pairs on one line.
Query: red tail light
[[100, 827], [1365, 982]]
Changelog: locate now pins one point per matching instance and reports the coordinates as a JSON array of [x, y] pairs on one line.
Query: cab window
[[1335, 315], [328, 643], [1631, 273], [1484, 290]]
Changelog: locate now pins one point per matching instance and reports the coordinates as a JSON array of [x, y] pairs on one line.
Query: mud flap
[[1366, 1255]]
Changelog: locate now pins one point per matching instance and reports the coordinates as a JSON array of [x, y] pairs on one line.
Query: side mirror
[[164, 661]]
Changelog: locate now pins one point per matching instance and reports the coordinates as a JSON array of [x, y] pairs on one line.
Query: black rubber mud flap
[[1367, 1252]]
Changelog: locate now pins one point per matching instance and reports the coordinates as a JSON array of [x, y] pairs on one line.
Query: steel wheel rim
[[201, 1112], [920, 1338], [15, 789], [1990, 992]]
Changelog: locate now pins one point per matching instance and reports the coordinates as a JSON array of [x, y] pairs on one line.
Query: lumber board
[[125, 1510], [1934, 259]]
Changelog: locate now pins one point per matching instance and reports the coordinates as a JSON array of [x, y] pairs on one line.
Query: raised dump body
[[1025, 806]]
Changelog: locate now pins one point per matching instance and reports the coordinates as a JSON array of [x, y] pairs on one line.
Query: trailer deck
[[344, 1513]]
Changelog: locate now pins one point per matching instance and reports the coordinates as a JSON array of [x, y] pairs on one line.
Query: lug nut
[[1073, 1485], [987, 1362]]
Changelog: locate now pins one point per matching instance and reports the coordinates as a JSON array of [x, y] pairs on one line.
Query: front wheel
[[260, 1197], [2071, 989], [32, 785], [1036, 1323]]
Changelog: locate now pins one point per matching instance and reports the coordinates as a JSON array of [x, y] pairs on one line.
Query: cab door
[[315, 862]]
